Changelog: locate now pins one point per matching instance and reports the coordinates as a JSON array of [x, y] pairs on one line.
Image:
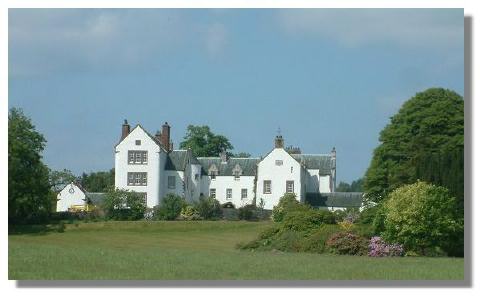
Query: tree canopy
[[98, 181], [204, 143], [430, 125], [356, 186], [29, 195]]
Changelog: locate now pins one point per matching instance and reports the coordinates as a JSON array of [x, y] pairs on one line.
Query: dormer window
[[237, 171], [213, 172]]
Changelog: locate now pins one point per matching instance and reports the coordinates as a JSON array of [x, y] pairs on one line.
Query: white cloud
[[358, 27]]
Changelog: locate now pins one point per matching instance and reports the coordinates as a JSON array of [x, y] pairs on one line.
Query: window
[[290, 187], [267, 186], [213, 192], [137, 179], [137, 157], [138, 142], [291, 169], [171, 182], [213, 175], [229, 193], [244, 193], [278, 162], [237, 175]]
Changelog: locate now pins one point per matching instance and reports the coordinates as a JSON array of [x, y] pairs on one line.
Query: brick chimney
[[165, 136], [125, 129], [279, 141]]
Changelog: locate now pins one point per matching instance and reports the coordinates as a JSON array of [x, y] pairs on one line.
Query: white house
[[149, 164], [70, 197]]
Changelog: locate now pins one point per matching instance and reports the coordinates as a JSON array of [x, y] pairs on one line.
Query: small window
[[267, 186], [291, 169], [171, 182], [138, 142], [213, 192], [279, 162], [244, 193], [290, 187], [229, 193], [237, 175], [213, 176], [136, 179]]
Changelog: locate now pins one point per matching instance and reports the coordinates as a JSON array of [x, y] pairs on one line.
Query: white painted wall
[[221, 183], [268, 170], [66, 199], [178, 190], [156, 160], [325, 184]]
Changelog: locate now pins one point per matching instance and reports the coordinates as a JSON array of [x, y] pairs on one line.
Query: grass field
[[195, 250]]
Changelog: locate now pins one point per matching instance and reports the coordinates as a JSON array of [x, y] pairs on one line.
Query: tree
[[203, 142], [241, 155], [430, 123], [120, 204], [425, 219], [98, 181], [170, 208], [29, 195], [343, 187], [59, 179], [356, 186]]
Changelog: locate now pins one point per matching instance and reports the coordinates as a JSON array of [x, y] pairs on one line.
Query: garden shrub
[[209, 208], [339, 215], [248, 212], [303, 220], [170, 207], [379, 248], [424, 218], [288, 203], [315, 242], [347, 243], [228, 205], [189, 213], [368, 215], [120, 204]]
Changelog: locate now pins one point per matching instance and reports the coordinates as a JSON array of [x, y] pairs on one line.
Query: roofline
[[148, 134]]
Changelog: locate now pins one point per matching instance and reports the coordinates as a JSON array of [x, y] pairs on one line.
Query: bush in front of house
[[316, 241], [287, 203], [248, 213], [425, 219], [307, 219], [189, 213], [170, 207], [209, 208], [347, 243], [121, 204], [377, 247]]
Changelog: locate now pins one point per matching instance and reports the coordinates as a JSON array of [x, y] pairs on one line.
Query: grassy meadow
[[195, 250]]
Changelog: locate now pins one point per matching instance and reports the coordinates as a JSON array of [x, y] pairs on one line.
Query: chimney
[[223, 156], [279, 141], [334, 157], [158, 136], [125, 130], [165, 136]]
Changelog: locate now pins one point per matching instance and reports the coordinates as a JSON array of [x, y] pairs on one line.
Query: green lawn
[[194, 250]]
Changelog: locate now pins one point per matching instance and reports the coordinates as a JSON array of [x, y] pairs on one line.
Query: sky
[[326, 77]]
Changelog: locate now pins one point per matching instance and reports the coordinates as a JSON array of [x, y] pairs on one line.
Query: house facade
[[148, 164]]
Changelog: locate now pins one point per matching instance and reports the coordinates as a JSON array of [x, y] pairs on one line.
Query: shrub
[[347, 243], [287, 203], [379, 248], [315, 242], [149, 214], [61, 227], [352, 215], [304, 220], [368, 215], [248, 212], [120, 204], [209, 208], [170, 207], [425, 219], [339, 215], [228, 205], [346, 225], [189, 213]]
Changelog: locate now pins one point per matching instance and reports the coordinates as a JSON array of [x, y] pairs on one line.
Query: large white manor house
[[148, 164]]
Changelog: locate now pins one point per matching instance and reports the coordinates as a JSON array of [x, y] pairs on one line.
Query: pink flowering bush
[[379, 248]]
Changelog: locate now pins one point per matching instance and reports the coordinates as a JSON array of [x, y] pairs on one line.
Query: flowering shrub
[[346, 225], [379, 248], [189, 213], [347, 243]]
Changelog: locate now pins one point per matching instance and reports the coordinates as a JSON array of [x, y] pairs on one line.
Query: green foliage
[[59, 179], [120, 204], [203, 142], [288, 203], [316, 242], [429, 125], [98, 181], [248, 213], [189, 213], [29, 197], [170, 207], [424, 218], [368, 215], [347, 243], [304, 220], [241, 155], [209, 208], [356, 186]]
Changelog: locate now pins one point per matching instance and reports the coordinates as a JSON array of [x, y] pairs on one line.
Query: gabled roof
[[322, 162], [335, 199], [154, 139], [248, 165], [76, 183], [176, 160]]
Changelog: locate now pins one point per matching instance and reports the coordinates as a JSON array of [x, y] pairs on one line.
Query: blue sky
[[326, 77]]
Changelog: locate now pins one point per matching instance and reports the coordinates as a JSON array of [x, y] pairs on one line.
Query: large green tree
[[429, 125], [59, 179], [98, 181], [203, 142], [29, 195]]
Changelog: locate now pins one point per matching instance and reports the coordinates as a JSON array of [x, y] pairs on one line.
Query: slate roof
[[95, 198], [177, 160], [335, 199], [248, 165], [320, 162]]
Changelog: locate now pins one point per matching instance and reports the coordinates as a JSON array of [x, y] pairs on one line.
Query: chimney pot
[[125, 130], [165, 138]]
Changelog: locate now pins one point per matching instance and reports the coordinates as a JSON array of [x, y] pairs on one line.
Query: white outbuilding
[[71, 197]]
